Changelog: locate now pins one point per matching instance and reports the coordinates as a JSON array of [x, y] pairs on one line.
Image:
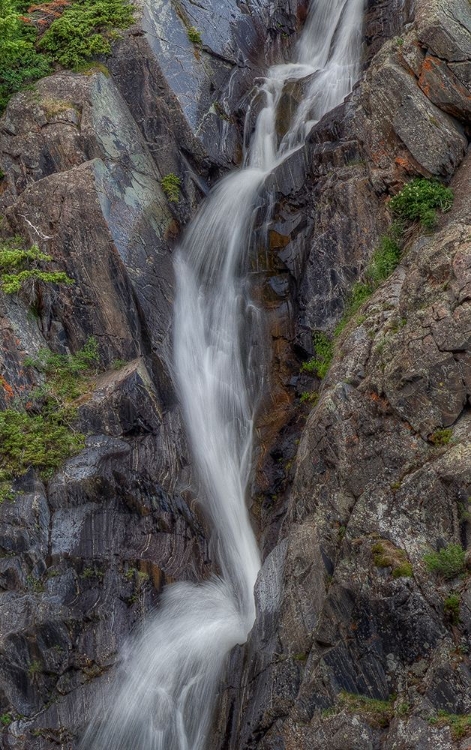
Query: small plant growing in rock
[[448, 563], [34, 668], [309, 397], [320, 363], [6, 719], [386, 258], [85, 29], [7, 494], [17, 266], [441, 437], [194, 35], [34, 584], [419, 201], [118, 364], [384, 261], [386, 555], [41, 434], [403, 570], [171, 187], [451, 607]]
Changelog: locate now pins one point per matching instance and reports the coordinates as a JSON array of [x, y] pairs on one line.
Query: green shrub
[[83, 30], [20, 63], [403, 570], [451, 607], [320, 363], [448, 562], [384, 261], [419, 201], [386, 258], [441, 437], [65, 373], [17, 266], [194, 35], [309, 397], [171, 187], [43, 441], [6, 719], [78, 30], [41, 434]]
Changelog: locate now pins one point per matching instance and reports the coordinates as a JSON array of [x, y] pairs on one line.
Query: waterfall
[[164, 694]]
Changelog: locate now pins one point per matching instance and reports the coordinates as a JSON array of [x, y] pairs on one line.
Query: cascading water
[[164, 694]]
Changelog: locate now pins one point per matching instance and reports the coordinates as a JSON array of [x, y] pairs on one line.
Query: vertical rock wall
[[84, 555], [367, 486]]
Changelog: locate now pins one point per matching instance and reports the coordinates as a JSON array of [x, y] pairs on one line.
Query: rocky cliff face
[[348, 613], [85, 554]]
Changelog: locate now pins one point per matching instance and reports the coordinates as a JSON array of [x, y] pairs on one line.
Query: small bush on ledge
[[40, 432], [419, 201], [66, 32], [171, 187], [194, 35], [448, 562], [17, 266]]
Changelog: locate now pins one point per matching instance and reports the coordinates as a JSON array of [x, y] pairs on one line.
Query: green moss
[[171, 187], [447, 563], [17, 266], [419, 201], [6, 719]]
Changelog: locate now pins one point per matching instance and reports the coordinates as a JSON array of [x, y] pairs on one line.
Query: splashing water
[[164, 695]]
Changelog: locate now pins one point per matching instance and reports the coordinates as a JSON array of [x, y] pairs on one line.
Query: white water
[[165, 692]]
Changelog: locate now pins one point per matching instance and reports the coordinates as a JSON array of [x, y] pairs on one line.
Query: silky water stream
[[164, 693]]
